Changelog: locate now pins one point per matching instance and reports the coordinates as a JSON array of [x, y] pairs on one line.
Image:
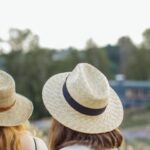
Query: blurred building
[[132, 93]]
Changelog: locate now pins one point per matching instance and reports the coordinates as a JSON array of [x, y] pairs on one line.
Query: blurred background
[[41, 38]]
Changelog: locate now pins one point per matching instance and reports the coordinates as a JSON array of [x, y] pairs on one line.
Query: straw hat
[[14, 108], [83, 100]]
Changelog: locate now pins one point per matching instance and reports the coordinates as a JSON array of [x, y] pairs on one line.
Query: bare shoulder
[[40, 143], [28, 142]]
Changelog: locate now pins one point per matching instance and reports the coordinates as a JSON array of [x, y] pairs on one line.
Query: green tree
[[146, 39], [138, 67], [91, 44], [22, 40], [112, 53], [126, 51]]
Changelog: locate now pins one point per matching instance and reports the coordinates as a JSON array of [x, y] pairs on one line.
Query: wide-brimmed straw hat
[[15, 109], [83, 100]]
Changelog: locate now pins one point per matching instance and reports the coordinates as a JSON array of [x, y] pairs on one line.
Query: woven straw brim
[[18, 114], [60, 110]]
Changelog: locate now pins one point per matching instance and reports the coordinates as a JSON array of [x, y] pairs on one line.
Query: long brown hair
[[10, 137], [61, 136]]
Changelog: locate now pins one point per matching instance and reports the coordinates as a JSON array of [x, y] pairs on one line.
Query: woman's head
[[14, 111], [84, 102], [61, 136], [10, 137]]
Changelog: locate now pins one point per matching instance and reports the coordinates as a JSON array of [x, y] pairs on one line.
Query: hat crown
[[7, 89], [88, 86]]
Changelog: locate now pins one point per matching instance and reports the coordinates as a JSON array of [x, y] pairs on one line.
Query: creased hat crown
[[88, 86]]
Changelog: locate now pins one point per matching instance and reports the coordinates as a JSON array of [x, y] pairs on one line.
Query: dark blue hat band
[[78, 107]]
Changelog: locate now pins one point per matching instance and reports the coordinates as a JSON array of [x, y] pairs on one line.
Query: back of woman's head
[[15, 109], [61, 136], [10, 137], [83, 101]]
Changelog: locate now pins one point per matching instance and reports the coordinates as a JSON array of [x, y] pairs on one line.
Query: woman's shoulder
[[28, 142], [76, 147], [40, 143]]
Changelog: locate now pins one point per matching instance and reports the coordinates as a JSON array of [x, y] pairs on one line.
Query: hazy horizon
[[61, 24]]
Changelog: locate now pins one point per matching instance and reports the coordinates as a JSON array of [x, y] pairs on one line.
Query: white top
[[28, 143], [79, 147]]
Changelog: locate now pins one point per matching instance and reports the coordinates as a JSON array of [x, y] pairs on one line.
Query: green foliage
[[138, 67], [31, 70], [146, 39], [113, 55], [21, 40]]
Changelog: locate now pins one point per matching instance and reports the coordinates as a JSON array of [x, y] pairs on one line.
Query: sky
[[64, 23]]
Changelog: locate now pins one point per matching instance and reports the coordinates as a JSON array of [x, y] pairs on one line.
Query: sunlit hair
[[10, 137], [61, 136]]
